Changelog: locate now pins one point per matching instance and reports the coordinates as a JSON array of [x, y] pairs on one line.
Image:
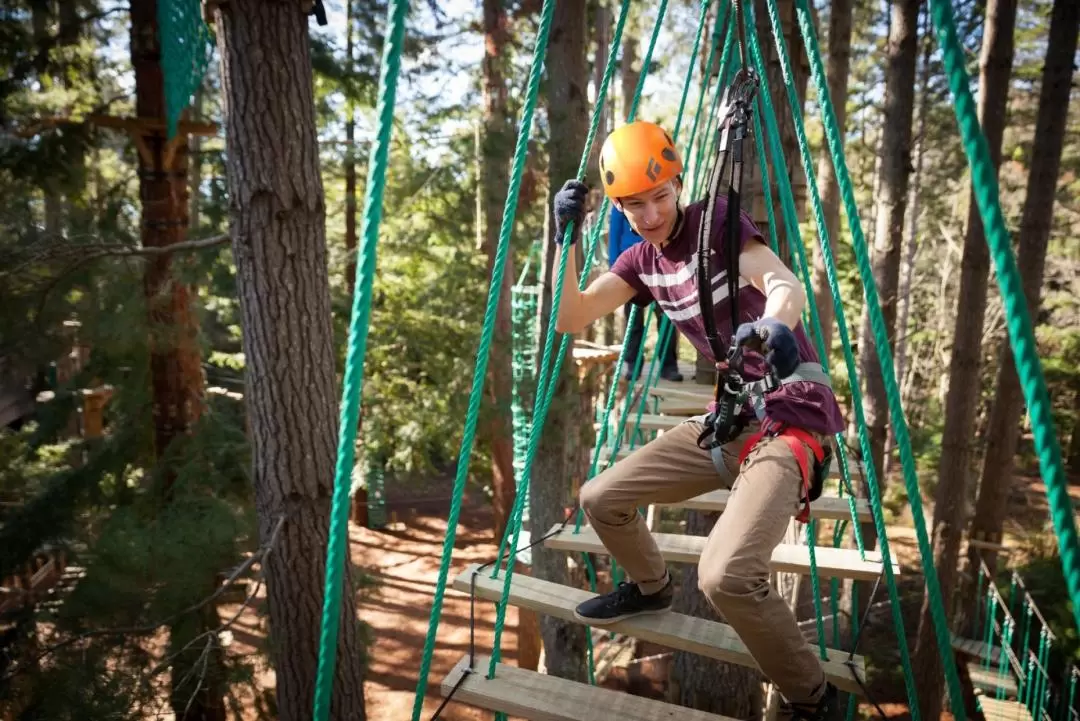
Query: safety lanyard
[[738, 104]]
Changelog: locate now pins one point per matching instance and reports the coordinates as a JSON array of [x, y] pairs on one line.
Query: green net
[[525, 342], [185, 51]]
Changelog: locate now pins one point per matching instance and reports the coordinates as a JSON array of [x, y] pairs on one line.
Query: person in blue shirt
[[620, 238]]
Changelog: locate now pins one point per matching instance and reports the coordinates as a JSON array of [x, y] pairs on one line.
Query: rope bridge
[[485, 682]]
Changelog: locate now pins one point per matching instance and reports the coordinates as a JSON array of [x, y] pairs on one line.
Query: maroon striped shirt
[[669, 277]]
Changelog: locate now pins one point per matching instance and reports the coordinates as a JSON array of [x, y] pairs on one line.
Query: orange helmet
[[637, 157]]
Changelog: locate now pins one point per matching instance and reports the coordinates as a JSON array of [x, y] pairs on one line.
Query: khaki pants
[[734, 568]]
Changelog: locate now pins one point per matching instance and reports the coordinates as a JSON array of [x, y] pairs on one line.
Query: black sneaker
[[826, 709], [671, 374], [625, 601]]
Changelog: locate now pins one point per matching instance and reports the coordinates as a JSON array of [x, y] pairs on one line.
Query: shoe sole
[[609, 621]]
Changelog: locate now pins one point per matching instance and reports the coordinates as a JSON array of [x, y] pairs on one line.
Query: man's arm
[[784, 295], [578, 309]]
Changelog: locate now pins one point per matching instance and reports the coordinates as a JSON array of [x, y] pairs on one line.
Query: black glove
[[781, 350], [570, 206]]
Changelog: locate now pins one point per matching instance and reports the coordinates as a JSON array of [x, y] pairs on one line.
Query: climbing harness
[[726, 421], [733, 395]]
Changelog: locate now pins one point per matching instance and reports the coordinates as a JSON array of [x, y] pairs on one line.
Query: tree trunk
[[701, 683], [602, 33], [558, 461], [964, 379], [350, 154], [891, 206], [175, 359], [195, 173], [784, 120], [629, 73], [1037, 215], [498, 147], [278, 230], [602, 37], [837, 76], [889, 232], [1072, 455], [911, 241]]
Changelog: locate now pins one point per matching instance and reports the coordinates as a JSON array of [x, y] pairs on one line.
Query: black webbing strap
[[733, 130]]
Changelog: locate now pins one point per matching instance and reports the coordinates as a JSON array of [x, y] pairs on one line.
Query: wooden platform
[[976, 648], [673, 630], [989, 681], [995, 710], [787, 558], [538, 697], [825, 507]]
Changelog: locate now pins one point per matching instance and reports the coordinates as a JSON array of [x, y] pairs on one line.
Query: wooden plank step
[[854, 467], [989, 680], [995, 710], [673, 630], [521, 693], [825, 507], [976, 648], [786, 558]]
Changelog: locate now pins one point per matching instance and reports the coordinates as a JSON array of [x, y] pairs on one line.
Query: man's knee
[[727, 586], [597, 502]]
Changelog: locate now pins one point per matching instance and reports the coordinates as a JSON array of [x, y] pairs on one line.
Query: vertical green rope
[[1021, 334], [881, 339], [487, 333], [354, 360], [549, 372], [795, 242], [717, 34]]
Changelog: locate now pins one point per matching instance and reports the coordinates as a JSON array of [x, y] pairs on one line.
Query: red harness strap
[[795, 438]]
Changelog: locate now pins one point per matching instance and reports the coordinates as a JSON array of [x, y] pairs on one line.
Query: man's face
[[653, 214]]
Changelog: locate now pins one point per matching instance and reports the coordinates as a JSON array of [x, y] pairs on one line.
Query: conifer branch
[[256, 557]]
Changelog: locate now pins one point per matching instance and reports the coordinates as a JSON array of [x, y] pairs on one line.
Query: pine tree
[[279, 242]]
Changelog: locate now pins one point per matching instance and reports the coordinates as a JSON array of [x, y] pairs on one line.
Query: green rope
[[795, 241], [884, 353], [718, 33], [546, 386], [487, 333], [1021, 334], [591, 243], [665, 329], [766, 188], [875, 504], [354, 360], [690, 71]]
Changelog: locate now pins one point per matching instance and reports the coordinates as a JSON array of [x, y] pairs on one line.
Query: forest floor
[[402, 563]]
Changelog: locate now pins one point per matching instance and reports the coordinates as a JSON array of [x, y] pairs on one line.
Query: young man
[[641, 172], [621, 238]]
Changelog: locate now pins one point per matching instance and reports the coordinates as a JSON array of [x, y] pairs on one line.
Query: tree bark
[[628, 72], [964, 380], [559, 459], [891, 206], [839, 63], [785, 120], [350, 154], [175, 358], [701, 683], [278, 230], [911, 240], [498, 147], [1072, 455], [1036, 218]]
